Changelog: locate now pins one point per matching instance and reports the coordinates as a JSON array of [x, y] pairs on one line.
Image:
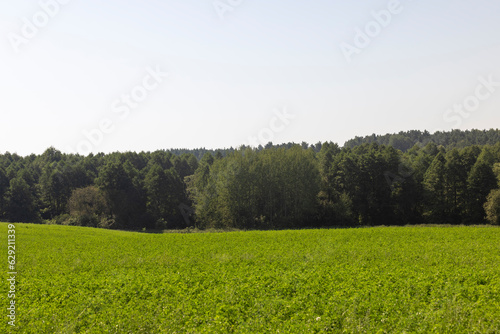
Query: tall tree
[[456, 184], [260, 189], [56, 186], [480, 182], [21, 205], [165, 193], [4, 186], [435, 191], [124, 194]]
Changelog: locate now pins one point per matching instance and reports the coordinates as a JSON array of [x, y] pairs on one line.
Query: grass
[[369, 280]]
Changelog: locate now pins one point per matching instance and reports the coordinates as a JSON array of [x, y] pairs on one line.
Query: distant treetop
[[405, 140]]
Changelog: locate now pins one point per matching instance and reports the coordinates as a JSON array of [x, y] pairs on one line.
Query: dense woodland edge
[[412, 177]]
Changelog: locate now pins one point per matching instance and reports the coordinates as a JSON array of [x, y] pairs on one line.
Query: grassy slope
[[359, 280]]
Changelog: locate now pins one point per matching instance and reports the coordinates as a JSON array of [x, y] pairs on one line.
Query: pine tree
[[480, 182], [4, 186], [435, 190], [21, 206], [456, 184]]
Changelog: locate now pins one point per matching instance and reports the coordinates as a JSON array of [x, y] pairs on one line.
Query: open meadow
[[365, 280]]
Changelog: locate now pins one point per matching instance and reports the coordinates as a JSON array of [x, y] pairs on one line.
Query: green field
[[368, 280]]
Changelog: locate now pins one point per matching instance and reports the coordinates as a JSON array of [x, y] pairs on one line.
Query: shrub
[[88, 207], [492, 207]]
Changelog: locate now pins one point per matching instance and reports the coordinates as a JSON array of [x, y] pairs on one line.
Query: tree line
[[271, 187], [405, 140], [120, 190]]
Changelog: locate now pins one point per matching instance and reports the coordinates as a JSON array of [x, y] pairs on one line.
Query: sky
[[129, 75]]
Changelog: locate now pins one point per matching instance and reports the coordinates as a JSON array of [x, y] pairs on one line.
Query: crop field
[[367, 280]]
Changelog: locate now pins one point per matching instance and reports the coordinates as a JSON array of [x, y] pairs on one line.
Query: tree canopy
[[450, 178]]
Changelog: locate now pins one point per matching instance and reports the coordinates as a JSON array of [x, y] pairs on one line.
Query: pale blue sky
[[228, 76]]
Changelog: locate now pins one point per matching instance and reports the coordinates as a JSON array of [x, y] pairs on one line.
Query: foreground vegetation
[[367, 280]]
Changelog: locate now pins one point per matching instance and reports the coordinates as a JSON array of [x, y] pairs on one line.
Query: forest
[[411, 177]]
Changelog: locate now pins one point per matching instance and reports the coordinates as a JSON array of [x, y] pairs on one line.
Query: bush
[[59, 220], [492, 207], [88, 207], [161, 224], [106, 222]]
